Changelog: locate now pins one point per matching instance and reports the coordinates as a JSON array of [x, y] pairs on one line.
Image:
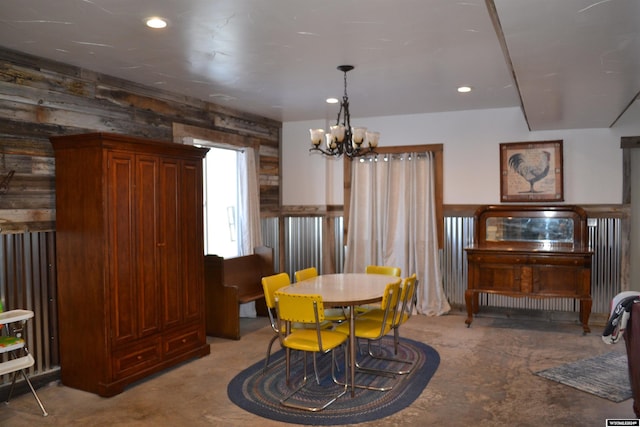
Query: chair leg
[[363, 370], [288, 365], [13, 383], [315, 368], [266, 361], [33, 390], [44, 412], [334, 367], [390, 359], [396, 340], [284, 401]]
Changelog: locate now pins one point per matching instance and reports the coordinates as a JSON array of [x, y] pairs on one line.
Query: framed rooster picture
[[531, 171]]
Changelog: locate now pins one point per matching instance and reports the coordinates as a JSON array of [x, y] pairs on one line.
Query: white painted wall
[[308, 178], [471, 140]]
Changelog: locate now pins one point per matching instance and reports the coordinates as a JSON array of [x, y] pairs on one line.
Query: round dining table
[[341, 290]]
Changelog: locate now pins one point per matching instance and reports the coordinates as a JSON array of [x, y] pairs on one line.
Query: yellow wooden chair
[[373, 329], [406, 304], [12, 342], [307, 309], [336, 315]]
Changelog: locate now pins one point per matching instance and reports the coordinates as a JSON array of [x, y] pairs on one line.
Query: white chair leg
[[44, 412], [33, 390]]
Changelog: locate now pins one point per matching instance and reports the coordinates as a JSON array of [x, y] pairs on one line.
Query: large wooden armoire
[[129, 249]]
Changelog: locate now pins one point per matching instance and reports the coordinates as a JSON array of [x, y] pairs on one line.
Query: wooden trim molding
[[593, 211], [182, 133]]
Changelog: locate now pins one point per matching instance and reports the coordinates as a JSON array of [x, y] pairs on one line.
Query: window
[[221, 203]]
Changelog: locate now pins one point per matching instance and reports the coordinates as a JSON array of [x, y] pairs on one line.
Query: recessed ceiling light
[[332, 100], [156, 22], [464, 89]]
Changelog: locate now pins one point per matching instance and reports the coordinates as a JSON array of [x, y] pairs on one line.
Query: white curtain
[[248, 212], [392, 221], [248, 202]]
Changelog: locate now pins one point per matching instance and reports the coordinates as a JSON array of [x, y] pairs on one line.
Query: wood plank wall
[[40, 98]]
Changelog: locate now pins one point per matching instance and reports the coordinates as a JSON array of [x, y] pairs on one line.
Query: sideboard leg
[[469, 301], [585, 312]]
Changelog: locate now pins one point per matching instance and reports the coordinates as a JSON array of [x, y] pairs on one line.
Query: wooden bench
[[233, 281]]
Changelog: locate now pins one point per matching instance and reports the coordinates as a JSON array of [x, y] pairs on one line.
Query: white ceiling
[[570, 63]]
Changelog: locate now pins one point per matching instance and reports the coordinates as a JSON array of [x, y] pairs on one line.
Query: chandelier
[[342, 138]]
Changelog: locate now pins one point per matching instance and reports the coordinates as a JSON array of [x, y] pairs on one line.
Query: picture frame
[[531, 171]]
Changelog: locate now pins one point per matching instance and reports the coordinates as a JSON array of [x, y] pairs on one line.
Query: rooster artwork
[[532, 165], [531, 171]]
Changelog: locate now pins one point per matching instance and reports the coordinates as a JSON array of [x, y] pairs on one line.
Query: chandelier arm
[[352, 154], [326, 152]]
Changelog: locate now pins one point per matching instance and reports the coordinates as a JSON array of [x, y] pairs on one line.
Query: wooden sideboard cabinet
[[129, 248], [530, 251]]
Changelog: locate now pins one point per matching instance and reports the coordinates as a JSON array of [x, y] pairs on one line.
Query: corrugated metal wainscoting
[[303, 241], [28, 281], [28, 277], [604, 239], [271, 237]]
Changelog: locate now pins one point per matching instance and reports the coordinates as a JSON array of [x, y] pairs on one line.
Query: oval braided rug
[[260, 393]]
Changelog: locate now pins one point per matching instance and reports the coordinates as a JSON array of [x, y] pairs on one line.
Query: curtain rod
[[395, 156]]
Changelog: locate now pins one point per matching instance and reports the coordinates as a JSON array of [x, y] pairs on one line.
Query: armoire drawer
[[180, 341], [133, 359]]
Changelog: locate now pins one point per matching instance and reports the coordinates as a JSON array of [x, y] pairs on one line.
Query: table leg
[[352, 349]]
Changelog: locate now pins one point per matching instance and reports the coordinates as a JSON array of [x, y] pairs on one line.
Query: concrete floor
[[485, 378]]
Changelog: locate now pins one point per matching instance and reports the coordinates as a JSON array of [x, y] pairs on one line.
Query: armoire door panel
[[192, 240], [122, 260], [170, 229], [149, 298]]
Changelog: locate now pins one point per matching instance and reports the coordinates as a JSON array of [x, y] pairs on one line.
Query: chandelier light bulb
[[331, 142], [338, 132], [316, 136], [372, 139], [359, 134]]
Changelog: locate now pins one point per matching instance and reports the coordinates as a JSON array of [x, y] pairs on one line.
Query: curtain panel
[[248, 213], [393, 222], [249, 201]]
